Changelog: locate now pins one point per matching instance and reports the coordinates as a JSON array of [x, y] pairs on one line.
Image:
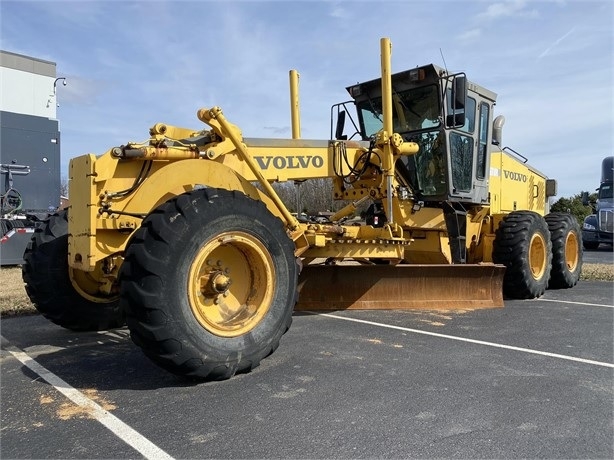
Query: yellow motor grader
[[184, 238]]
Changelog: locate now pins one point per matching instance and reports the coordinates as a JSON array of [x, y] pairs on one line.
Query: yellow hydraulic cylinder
[[349, 209], [216, 113], [155, 153]]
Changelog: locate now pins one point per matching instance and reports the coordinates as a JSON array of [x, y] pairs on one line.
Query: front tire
[[566, 250], [209, 284], [522, 243], [45, 272]]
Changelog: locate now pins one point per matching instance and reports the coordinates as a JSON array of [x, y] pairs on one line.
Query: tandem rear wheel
[[522, 243], [566, 250], [539, 253], [209, 284]]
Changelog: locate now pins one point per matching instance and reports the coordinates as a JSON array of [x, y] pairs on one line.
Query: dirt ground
[[13, 297], [14, 300]]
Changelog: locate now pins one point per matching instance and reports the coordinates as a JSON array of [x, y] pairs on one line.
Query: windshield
[[415, 110], [426, 171], [412, 110], [605, 191]]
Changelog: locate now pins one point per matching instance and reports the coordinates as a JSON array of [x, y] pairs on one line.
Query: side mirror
[[340, 126], [456, 117], [459, 92], [455, 121], [585, 198]]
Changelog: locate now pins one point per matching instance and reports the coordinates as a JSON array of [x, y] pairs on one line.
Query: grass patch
[[597, 272], [15, 302]]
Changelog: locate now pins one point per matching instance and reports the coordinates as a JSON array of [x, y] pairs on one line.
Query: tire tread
[[47, 283], [144, 273], [511, 248]]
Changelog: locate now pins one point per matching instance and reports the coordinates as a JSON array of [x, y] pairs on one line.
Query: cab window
[[461, 157], [483, 144], [412, 110], [470, 105]]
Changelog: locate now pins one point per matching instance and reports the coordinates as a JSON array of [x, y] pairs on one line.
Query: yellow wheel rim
[[93, 285], [571, 251], [537, 256], [231, 284]]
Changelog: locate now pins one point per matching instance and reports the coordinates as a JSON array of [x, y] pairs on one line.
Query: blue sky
[[132, 64]]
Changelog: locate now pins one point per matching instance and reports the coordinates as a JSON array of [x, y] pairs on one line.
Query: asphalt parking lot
[[602, 255], [534, 379]]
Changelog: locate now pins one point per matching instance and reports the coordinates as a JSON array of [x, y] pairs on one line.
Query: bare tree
[[311, 196], [64, 187]]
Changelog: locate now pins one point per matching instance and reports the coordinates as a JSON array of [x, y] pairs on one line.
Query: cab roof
[[408, 78]]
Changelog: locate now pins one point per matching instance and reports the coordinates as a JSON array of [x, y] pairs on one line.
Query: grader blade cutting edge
[[377, 287]]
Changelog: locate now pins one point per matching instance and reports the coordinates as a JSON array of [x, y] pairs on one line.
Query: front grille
[[606, 220]]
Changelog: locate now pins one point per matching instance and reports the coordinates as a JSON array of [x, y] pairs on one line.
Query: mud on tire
[[522, 243], [191, 271], [46, 275]]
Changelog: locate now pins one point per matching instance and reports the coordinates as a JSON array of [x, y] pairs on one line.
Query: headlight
[[586, 226]]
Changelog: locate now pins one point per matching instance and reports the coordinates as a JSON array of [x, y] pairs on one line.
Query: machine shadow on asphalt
[[105, 360]]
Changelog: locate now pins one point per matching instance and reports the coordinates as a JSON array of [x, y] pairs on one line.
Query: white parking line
[[462, 339], [115, 335], [127, 434], [572, 302]]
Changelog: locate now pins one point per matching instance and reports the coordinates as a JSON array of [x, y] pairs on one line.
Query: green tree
[[574, 206]]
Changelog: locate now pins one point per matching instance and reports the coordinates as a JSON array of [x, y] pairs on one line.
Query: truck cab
[[598, 228], [449, 118]]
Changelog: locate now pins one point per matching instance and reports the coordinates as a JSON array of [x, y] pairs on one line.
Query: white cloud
[[506, 9], [339, 12], [471, 34]]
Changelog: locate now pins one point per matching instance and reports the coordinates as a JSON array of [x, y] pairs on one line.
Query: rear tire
[[48, 284], [566, 239], [209, 284], [522, 243]]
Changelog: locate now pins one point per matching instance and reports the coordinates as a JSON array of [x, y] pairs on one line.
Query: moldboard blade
[[400, 287]]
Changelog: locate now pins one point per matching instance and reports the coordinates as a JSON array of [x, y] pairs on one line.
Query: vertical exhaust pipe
[[294, 105], [386, 53]]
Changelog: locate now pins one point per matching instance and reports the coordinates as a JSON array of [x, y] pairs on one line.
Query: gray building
[[30, 134], [29, 148]]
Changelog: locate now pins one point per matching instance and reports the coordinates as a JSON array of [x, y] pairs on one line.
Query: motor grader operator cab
[[447, 116]]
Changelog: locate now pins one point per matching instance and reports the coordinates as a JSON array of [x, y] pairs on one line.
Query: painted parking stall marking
[[463, 339], [127, 434], [573, 303]]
